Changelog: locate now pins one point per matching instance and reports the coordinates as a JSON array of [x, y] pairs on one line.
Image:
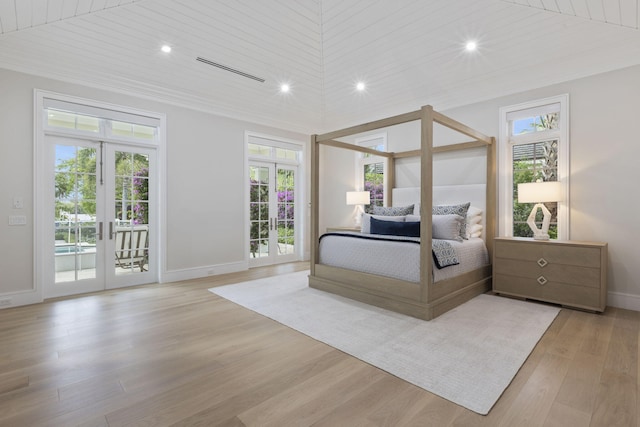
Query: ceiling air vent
[[232, 70]]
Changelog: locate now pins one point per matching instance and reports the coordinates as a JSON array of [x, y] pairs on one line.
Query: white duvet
[[397, 259]]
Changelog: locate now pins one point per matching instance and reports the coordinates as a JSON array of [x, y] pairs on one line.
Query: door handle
[[110, 230], [100, 230]]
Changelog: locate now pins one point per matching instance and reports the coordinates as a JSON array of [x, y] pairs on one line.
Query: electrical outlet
[[5, 302], [17, 220], [18, 202]]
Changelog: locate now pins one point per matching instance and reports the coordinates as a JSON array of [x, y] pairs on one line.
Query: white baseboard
[[17, 299], [621, 300], [199, 272]]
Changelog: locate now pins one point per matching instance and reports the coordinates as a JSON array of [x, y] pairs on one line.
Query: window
[[268, 152], [534, 147], [70, 118], [371, 170]]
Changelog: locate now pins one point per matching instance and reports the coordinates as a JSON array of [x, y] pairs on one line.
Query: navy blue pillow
[[393, 228]]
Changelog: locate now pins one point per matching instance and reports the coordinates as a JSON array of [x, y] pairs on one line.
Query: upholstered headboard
[[446, 195]]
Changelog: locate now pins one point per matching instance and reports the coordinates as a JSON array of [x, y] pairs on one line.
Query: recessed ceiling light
[[471, 46], [285, 88], [166, 48], [360, 86]]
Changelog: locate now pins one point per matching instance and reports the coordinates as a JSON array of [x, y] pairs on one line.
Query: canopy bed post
[[390, 179], [491, 196], [426, 199], [315, 201]]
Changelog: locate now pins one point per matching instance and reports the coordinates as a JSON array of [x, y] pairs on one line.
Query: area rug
[[468, 355]]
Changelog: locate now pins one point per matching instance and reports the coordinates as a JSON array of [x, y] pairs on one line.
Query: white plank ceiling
[[409, 52]]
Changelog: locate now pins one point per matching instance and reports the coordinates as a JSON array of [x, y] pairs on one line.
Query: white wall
[[205, 182], [605, 148], [604, 154]]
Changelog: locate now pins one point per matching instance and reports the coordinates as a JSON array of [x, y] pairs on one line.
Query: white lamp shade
[[540, 192], [358, 198]]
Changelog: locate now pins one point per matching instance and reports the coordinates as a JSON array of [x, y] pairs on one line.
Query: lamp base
[[541, 233], [540, 237]]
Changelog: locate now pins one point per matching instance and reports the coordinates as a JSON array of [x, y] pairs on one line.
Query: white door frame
[[302, 211], [42, 214]]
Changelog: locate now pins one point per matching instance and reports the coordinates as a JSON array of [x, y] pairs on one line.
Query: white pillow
[[474, 211], [366, 221], [473, 220], [447, 227], [475, 230], [474, 216]]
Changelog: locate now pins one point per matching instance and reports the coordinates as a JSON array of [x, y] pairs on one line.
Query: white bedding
[[397, 259]]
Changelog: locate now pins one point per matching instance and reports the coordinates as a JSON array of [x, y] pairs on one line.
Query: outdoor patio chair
[[131, 246]]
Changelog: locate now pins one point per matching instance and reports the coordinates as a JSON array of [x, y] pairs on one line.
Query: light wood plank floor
[[177, 355]]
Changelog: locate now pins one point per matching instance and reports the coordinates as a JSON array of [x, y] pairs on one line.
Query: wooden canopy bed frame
[[427, 299]]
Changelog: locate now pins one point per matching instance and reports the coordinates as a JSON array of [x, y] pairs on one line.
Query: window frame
[[362, 161], [506, 143], [105, 114]]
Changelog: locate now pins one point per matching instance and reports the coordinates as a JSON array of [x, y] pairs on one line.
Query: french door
[[273, 236], [102, 230]]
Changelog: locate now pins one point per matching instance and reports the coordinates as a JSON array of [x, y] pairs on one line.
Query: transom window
[[97, 123], [273, 153]]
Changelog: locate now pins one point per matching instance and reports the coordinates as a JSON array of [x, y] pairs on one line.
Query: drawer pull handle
[[542, 280], [542, 262]]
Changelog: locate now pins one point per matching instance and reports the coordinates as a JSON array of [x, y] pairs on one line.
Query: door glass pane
[[75, 213], [259, 211], [286, 208], [533, 162], [374, 184], [131, 226]]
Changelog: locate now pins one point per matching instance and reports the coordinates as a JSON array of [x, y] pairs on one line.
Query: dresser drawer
[[553, 272], [565, 254], [559, 293]]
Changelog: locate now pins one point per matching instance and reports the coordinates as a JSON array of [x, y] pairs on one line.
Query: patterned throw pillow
[[454, 209], [393, 210]]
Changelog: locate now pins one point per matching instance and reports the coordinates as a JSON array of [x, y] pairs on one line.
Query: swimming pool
[[70, 249]]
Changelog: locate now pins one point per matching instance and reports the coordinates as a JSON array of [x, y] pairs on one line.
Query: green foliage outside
[[76, 180], [259, 210], [374, 184]]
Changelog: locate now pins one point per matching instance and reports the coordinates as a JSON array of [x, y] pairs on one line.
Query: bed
[[417, 287]]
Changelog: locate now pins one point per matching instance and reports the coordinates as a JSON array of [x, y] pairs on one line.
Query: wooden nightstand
[[567, 272], [339, 229]]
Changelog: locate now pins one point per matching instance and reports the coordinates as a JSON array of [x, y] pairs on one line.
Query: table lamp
[[539, 193], [358, 198]]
